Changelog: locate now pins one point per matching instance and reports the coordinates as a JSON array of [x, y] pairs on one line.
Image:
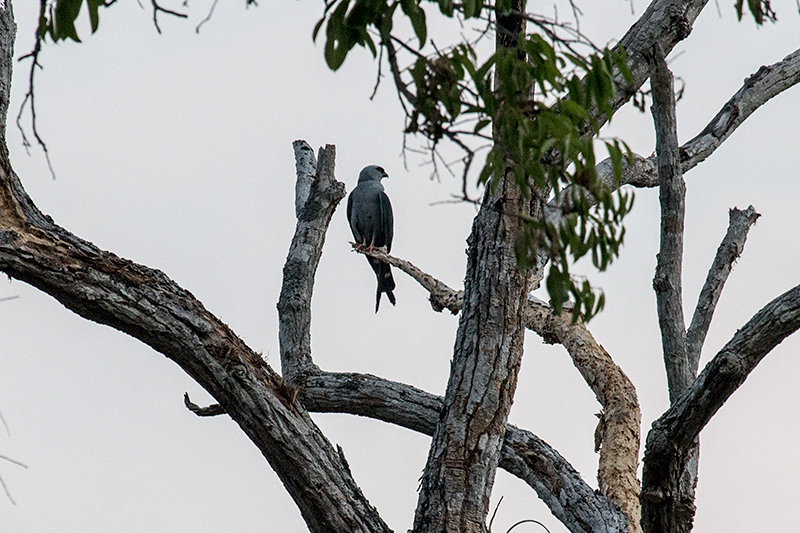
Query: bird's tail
[[385, 284]]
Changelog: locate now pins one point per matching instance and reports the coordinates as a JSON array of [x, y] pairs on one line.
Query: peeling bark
[[617, 436], [523, 454], [619, 426]]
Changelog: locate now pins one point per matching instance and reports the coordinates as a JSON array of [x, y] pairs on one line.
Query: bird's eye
[[380, 169]]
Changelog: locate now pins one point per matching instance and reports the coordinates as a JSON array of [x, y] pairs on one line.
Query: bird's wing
[[386, 220], [352, 218]]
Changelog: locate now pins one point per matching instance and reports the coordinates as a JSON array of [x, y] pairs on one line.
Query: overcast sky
[[175, 151]]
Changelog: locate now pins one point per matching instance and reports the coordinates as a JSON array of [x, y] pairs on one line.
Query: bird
[[369, 213]]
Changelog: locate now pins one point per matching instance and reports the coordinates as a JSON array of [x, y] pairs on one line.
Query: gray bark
[[759, 88], [523, 454], [459, 474], [317, 193], [147, 305], [672, 196], [469, 426], [679, 515], [674, 434], [728, 252]]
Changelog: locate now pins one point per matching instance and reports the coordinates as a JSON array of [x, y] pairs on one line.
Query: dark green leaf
[[94, 17], [416, 15]]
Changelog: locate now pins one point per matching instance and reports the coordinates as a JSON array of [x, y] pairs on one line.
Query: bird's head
[[372, 173]]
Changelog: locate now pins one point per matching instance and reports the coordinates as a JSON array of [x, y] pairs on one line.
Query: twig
[[3, 483], [208, 17], [212, 410], [494, 514], [528, 521], [157, 8], [8, 494], [379, 76], [10, 460], [30, 95]]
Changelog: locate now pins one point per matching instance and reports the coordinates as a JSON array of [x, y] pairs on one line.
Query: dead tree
[[471, 436]]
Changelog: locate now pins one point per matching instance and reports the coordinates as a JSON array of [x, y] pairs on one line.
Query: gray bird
[[370, 215]]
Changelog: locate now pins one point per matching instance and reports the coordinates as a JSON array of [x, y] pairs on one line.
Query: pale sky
[[175, 151]]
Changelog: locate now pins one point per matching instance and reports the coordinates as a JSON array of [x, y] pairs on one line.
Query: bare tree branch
[[441, 296], [617, 435], [664, 22], [672, 194], [758, 89], [767, 82], [728, 252], [317, 193], [149, 306], [674, 434], [523, 454], [667, 281], [401, 404]]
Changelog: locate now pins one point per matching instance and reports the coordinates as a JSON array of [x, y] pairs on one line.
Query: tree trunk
[[459, 474]]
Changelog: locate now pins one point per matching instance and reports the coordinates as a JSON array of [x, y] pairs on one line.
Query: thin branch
[[208, 16], [30, 94], [728, 252], [158, 8], [2, 481], [10, 460], [758, 89], [672, 193], [8, 493]]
